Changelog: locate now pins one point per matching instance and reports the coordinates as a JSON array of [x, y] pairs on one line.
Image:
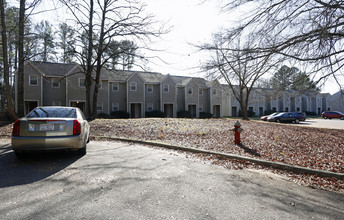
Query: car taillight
[[15, 130], [77, 128]]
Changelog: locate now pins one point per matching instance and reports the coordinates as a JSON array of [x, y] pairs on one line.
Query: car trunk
[[45, 127]]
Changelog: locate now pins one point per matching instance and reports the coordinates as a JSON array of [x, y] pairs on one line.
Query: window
[[55, 82], [166, 88], [214, 91], [200, 92], [100, 85], [33, 80], [56, 103], [115, 107], [133, 86], [115, 87], [82, 82], [200, 108], [99, 106], [190, 91], [150, 107], [149, 88]]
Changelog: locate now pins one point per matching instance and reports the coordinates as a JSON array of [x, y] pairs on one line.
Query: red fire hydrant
[[237, 130]]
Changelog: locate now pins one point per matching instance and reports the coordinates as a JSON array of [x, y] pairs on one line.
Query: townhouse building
[[137, 92]]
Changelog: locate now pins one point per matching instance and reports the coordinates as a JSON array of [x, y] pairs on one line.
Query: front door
[[135, 110], [216, 111], [80, 105], [168, 110], [192, 110], [30, 105]]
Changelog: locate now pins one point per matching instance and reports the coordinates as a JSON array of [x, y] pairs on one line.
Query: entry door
[[216, 111], [168, 110], [192, 110], [135, 110], [80, 105], [30, 105], [234, 112]]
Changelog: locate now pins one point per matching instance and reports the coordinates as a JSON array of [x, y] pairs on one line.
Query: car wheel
[[325, 117], [297, 121], [278, 121], [342, 118], [82, 151], [19, 154]]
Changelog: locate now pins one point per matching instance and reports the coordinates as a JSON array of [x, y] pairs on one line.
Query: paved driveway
[[125, 181], [323, 123]]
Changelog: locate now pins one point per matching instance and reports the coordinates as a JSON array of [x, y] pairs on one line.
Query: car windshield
[[52, 112]]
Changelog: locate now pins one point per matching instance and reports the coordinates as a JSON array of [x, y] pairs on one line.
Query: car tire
[[278, 121], [82, 151], [342, 118], [297, 121], [325, 117], [19, 154]]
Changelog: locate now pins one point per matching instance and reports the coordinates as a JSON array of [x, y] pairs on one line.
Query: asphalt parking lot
[[129, 181], [323, 123]]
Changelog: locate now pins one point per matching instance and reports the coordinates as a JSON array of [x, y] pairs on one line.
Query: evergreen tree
[[45, 37]]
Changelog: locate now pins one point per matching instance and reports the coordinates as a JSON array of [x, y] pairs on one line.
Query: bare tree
[[234, 62], [115, 19], [306, 31]]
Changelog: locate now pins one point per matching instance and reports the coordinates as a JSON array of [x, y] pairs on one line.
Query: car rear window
[[52, 113]]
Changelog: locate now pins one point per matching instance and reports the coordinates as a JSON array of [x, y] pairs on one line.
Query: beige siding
[[52, 95], [32, 92]]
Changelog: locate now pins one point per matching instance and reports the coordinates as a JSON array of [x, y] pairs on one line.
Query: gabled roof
[[151, 77], [119, 75], [53, 69], [181, 80]]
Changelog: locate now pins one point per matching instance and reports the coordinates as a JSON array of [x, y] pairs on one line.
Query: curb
[[282, 166]]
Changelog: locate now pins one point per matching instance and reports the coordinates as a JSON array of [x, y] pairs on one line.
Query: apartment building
[[136, 92]]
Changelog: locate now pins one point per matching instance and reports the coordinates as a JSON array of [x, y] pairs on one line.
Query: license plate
[[46, 127]]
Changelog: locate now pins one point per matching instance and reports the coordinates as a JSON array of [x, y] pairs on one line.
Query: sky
[[191, 22]]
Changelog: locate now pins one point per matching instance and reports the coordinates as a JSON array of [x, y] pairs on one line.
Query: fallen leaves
[[308, 147]]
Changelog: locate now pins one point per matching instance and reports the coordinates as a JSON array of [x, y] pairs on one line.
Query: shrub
[[249, 113], [155, 114], [310, 113], [205, 115], [184, 114], [103, 115], [119, 114], [269, 112]]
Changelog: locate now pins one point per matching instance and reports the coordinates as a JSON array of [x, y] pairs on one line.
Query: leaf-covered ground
[[303, 146]]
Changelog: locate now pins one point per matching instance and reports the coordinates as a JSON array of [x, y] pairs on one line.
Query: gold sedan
[[51, 128]]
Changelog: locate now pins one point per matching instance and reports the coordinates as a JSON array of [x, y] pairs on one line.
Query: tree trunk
[[20, 78], [5, 62], [99, 61], [89, 69]]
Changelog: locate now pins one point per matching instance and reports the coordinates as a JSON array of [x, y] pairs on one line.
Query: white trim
[[150, 107], [100, 105], [112, 87], [30, 80], [132, 85], [114, 105], [79, 82], [58, 83], [150, 86], [168, 88]]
